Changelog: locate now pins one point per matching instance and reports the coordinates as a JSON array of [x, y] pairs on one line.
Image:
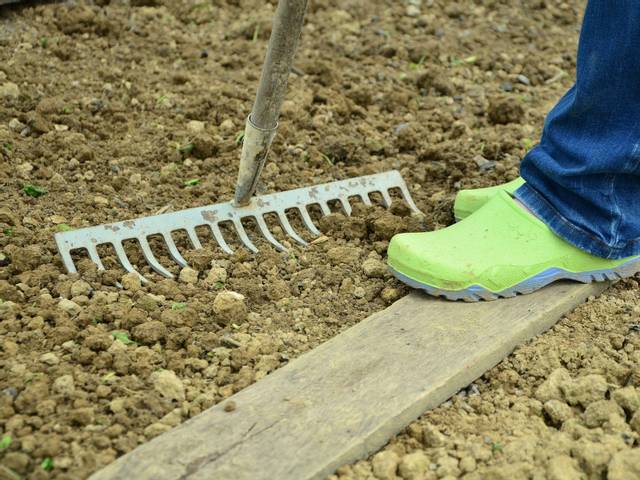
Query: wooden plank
[[346, 398]]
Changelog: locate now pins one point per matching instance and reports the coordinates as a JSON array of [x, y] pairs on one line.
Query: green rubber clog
[[500, 251], [468, 201]]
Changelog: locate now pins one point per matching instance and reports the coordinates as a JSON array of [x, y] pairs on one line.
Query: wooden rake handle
[[262, 123]]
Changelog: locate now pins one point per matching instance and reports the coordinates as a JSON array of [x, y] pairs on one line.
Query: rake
[[260, 129]]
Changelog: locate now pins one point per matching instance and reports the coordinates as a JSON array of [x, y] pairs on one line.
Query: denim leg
[[583, 179]]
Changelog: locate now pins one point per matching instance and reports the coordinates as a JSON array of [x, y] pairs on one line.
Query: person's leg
[[583, 179], [583, 182]]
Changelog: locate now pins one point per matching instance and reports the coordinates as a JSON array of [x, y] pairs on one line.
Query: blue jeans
[[583, 179]]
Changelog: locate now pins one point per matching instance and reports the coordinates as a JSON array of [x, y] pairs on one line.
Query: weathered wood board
[[346, 398]]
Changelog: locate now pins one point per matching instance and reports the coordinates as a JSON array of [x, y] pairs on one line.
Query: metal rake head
[[212, 216]]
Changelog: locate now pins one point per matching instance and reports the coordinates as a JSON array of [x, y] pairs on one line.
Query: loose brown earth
[[113, 105]]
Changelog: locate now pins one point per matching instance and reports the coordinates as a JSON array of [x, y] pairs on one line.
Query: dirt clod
[[230, 307]]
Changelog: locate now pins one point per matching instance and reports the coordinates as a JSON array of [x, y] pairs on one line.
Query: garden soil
[[111, 110]]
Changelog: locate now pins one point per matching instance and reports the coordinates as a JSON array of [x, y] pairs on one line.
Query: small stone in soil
[[188, 275], [229, 307], [69, 306], [50, 359], [131, 281], [230, 406], [167, 384]]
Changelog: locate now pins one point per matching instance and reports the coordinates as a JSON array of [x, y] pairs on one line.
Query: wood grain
[[346, 398]]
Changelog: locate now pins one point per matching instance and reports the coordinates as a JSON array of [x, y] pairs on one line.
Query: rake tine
[[95, 258], [67, 261], [217, 234], [365, 199], [173, 250], [284, 221], [193, 238], [124, 261], [407, 198], [386, 198], [325, 208], [244, 238], [306, 218], [346, 206], [151, 259], [264, 230]]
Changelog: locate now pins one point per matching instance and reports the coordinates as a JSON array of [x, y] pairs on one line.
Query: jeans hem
[[571, 233]]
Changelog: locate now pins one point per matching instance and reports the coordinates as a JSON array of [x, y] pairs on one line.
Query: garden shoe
[[499, 251], [468, 201]]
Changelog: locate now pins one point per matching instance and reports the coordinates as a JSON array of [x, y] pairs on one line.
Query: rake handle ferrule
[[285, 33], [255, 149]]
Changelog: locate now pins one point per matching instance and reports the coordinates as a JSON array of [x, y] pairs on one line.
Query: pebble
[[156, 429], [131, 281], [230, 307], [135, 179], [80, 287], [413, 11], [227, 125], [385, 465], [150, 332], [16, 125], [49, 359], [167, 384], [359, 292], [117, 405], [100, 201], [374, 268], [64, 385], [188, 275], [9, 90], [216, 275], [414, 465], [196, 126], [69, 306]]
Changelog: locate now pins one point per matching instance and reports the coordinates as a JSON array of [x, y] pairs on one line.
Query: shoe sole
[[476, 293]]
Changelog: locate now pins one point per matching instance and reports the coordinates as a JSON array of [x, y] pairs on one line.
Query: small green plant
[[47, 464], [185, 149], [456, 62], [416, 66], [67, 110], [98, 319], [34, 190], [239, 138], [123, 337], [178, 306], [43, 42], [218, 285], [7, 147], [527, 143], [5, 442], [7, 232], [327, 158], [109, 377], [162, 99], [192, 183], [256, 33], [63, 227], [496, 447]]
